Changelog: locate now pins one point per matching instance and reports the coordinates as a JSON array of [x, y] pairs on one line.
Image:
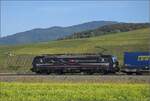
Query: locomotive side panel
[[69, 64]]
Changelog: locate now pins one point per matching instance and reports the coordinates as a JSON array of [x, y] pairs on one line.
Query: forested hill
[[108, 29], [52, 33]]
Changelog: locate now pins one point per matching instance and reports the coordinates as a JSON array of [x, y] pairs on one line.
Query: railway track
[[118, 78], [67, 74], [18, 74]]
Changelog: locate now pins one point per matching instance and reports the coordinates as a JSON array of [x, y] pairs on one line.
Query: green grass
[[116, 44], [74, 92]]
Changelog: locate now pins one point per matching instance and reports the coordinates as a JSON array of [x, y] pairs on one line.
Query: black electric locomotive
[[75, 63]]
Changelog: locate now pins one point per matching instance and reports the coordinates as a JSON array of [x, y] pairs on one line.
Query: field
[[18, 58], [74, 92]]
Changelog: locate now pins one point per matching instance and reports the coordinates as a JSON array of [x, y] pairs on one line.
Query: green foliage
[[74, 92], [109, 29]]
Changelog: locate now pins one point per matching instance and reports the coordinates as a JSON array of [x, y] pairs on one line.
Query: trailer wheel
[[129, 73], [138, 73]]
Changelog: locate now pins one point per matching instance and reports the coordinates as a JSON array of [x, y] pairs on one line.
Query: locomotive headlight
[[37, 64]]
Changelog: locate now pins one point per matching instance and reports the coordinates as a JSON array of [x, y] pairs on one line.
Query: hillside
[[116, 44], [52, 33], [108, 29]]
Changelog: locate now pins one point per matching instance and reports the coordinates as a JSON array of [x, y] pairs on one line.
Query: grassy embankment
[[74, 92], [116, 44]]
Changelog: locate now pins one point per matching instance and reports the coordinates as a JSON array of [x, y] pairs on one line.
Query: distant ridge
[[108, 29], [52, 33]]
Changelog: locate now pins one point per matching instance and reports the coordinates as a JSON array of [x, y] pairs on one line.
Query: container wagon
[[136, 62]]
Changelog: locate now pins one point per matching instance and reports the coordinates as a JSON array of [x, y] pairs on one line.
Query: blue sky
[[18, 16]]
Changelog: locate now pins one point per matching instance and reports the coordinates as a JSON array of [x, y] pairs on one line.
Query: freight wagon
[[136, 62], [75, 63]]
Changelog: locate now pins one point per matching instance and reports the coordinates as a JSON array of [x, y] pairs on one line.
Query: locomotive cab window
[[114, 59]]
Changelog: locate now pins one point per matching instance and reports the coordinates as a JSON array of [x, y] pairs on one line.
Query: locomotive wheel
[[104, 72], [89, 73], [38, 72], [59, 72], [48, 72]]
